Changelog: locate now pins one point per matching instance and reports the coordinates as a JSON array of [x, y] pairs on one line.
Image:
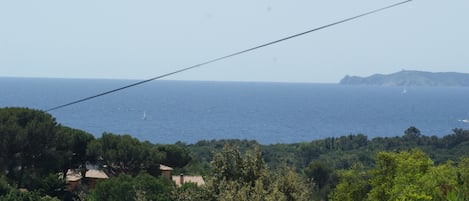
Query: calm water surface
[[188, 111]]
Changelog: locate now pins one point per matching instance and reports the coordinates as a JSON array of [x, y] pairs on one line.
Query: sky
[[140, 39]]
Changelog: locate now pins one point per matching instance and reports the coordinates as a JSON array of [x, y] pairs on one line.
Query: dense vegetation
[[36, 152]]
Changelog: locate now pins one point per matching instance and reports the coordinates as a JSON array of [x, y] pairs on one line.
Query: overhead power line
[[227, 56]]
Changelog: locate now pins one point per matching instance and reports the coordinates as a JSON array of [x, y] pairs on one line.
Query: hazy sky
[[140, 39]]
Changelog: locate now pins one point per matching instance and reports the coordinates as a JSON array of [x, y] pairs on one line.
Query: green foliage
[[17, 195], [463, 179], [189, 192], [291, 185], [396, 175], [405, 175], [4, 186], [231, 166], [201, 152], [34, 149], [72, 145], [176, 155], [49, 185], [323, 176], [125, 154], [125, 187], [152, 188], [27, 142], [117, 188], [246, 177], [353, 185], [319, 172], [440, 181], [337, 153]]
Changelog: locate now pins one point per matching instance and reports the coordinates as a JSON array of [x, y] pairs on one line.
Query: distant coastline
[[410, 78]]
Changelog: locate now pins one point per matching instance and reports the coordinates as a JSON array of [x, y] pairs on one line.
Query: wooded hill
[[34, 150], [410, 78]]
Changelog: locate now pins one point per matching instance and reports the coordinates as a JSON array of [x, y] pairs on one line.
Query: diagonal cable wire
[[228, 56]]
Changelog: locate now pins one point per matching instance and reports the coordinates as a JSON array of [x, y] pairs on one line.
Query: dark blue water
[[188, 111]]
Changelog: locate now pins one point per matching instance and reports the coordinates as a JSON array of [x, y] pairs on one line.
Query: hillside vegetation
[[35, 152]]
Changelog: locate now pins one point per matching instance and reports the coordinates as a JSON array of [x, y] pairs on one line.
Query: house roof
[[165, 168], [75, 175], [96, 174], [199, 180]]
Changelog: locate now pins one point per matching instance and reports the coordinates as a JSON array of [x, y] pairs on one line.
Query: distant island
[[410, 78]]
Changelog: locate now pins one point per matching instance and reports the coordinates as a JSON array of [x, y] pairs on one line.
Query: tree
[[440, 181], [323, 176], [124, 154], [397, 175], [291, 185], [235, 177], [353, 185], [230, 165], [319, 172], [189, 192], [463, 179], [28, 141], [246, 177], [153, 188], [71, 148], [117, 188], [17, 195], [125, 187], [176, 155], [412, 136]]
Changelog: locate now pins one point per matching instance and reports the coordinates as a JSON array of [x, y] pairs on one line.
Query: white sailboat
[[144, 115]]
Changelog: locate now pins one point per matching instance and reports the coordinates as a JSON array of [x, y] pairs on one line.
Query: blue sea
[[189, 111]]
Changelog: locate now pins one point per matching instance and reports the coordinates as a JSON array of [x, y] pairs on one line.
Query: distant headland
[[410, 78]]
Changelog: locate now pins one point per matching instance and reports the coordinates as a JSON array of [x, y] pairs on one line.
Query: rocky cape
[[410, 78]]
